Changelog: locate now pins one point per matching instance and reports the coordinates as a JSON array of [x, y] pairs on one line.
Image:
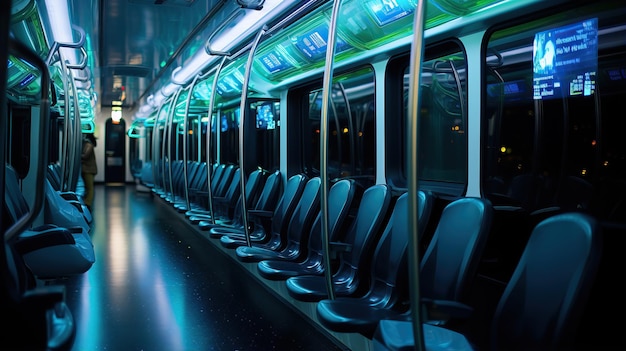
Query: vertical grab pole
[[169, 128], [5, 19], [415, 75], [163, 145], [326, 96], [185, 141], [155, 148], [244, 108], [209, 167]]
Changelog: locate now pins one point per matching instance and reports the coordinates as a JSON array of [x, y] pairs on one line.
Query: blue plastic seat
[[542, 304], [388, 270], [351, 251], [234, 217], [340, 198], [274, 237], [297, 231], [50, 250], [267, 202], [223, 204]]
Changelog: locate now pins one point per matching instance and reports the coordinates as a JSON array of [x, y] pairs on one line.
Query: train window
[[262, 125], [551, 136], [229, 135], [443, 119], [266, 142], [351, 127], [20, 135]]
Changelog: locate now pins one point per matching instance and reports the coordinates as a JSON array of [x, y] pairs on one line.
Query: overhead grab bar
[[173, 76], [243, 112], [208, 48], [251, 4], [79, 45]]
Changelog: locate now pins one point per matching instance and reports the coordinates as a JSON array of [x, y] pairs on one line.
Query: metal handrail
[[417, 53], [209, 167], [326, 97], [243, 113]]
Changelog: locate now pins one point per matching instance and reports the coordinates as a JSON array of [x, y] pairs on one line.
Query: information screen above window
[[565, 61]]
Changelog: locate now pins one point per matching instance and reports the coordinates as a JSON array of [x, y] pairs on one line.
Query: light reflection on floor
[[148, 290]]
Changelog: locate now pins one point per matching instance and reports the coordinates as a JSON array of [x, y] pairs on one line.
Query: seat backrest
[[52, 173], [269, 195], [198, 181], [146, 174], [303, 216], [193, 169], [176, 176], [16, 204], [542, 304], [340, 198], [452, 256], [226, 203], [286, 204], [216, 176], [234, 187], [389, 261], [60, 212], [525, 188], [575, 194], [253, 187], [256, 181], [362, 234], [225, 180]]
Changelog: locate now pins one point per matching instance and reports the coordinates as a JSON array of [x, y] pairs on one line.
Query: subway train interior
[[362, 175]]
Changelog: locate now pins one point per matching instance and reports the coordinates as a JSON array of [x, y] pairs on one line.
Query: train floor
[[152, 289]]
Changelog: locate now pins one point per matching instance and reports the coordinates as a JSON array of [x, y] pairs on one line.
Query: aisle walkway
[[149, 290]]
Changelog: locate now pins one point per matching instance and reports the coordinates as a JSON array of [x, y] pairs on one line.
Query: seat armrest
[[508, 208], [260, 213], [31, 240], [44, 298], [543, 213], [75, 229], [220, 199], [336, 248], [441, 311], [68, 195]]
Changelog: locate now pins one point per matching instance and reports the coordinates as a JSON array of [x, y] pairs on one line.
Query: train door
[[115, 151]]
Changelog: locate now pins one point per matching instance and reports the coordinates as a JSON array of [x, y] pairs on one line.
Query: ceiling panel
[[133, 40]]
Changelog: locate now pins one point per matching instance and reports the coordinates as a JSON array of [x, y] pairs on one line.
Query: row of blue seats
[[47, 249], [370, 269], [58, 248]]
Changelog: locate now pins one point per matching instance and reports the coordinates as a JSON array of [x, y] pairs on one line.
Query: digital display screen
[[513, 90], [565, 61], [27, 80], [233, 82], [274, 62], [230, 120], [385, 11], [265, 116], [313, 43], [616, 74]]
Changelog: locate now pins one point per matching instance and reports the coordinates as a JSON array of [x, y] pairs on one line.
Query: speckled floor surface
[[149, 290]]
